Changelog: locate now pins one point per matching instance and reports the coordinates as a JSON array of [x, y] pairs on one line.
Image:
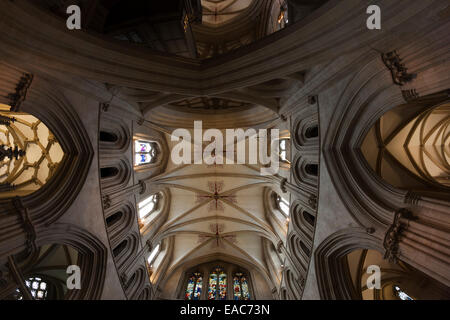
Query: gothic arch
[[134, 285], [114, 136], [119, 220], [343, 157], [306, 129], [333, 278], [125, 249], [114, 174], [302, 175], [46, 205], [93, 257]]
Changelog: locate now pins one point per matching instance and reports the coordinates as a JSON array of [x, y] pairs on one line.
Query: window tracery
[[194, 287], [29, 153], [240, 287], [145, 152]]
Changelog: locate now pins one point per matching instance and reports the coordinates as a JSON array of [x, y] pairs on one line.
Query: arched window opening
[[112, 219], [145, 152], [108, 136], [309, 218], [282, 205], [216, 280], [29, 153], [305, 248], [312, 132], [401, 294], [38, 288], [194, 287], [130, 281], [284, 157], [283, 15], [240, 287], [409, 150], [399, 280], [120, 248], [152, 257], [44, 274], [108, 172], [146, 207], [217, 285], [312, 169]]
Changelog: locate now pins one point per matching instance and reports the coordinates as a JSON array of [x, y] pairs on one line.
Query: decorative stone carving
[[412, 198], [16, 99], [143, 186], [10, 153], [312, 99], [399, 72], [410, 95], [312, 201], [370, 230], [283, 185], [140, 121], [6, 121], [104, 106], [106, 202], [393, 234], [280, 246], [27, 224]]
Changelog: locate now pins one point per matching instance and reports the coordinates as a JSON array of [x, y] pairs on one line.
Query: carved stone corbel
[[283, 185], [399, 72], [312, 201], [27, 223], [412, 198], [312, 99], [104, 106], [16, 98], [410, 95], [143, 186], [280, 246], [6, 121], [393, 234], [106, 202]]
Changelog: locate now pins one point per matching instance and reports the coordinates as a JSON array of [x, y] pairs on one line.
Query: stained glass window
[[217, 289], [145, 152], [240, 287], [401, 294], [283, 150], [194, 287], [283, 205]]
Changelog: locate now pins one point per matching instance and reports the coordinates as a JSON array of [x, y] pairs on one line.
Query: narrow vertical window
[[194, 287], [401, 294], [240, 287], [217, 285], [145, 152], [282, 205], [147, 206], [153, 255], [283, 150]]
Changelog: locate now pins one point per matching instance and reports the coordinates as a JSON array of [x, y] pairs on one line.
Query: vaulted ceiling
[[218, 212]]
